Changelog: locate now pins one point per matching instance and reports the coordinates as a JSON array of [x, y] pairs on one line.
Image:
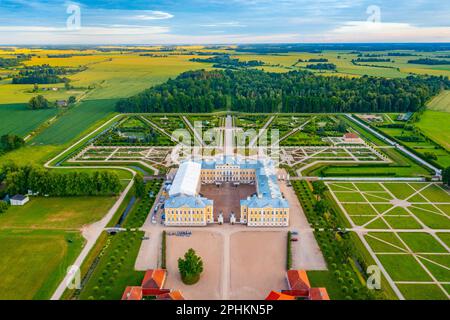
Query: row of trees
[[322, 66], [298, 91], [225, 61], [21, 179], [431, 62]]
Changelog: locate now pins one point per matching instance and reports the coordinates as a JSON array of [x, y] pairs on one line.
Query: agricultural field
[[75, 122], [441, 102], [19, 120], [401, 220]]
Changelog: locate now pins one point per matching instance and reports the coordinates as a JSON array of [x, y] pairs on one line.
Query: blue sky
[[224, 21]]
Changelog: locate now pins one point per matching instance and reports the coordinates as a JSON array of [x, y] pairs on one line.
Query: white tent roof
[[186, 179]]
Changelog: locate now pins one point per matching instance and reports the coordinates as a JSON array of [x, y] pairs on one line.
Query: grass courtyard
[[407, 228]]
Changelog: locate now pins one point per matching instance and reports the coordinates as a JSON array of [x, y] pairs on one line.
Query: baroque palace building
[[186, 207]]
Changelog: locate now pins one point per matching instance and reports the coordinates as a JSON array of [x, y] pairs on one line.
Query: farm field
[[19, 120], [403, 218], [74, 122], [441, 102], [37, 259]]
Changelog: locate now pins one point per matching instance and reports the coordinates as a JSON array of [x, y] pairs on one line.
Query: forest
[[44, 74], [297, 91]]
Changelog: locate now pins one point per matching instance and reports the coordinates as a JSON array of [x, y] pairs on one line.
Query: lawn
[[36, 155], [33, 262], [403, 268], [19, 120], [51, 213], [422, 292]]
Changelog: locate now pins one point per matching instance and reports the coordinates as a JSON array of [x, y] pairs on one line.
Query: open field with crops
[[75, 121], [441, 102], [18, 119]]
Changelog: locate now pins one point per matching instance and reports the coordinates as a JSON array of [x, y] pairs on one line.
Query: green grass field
[[57, 213], [19, 120], [32, 262]]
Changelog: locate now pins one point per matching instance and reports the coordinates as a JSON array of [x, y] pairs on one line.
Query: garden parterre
[[407, 227]]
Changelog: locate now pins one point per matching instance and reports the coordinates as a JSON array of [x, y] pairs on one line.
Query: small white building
[[19, 200]]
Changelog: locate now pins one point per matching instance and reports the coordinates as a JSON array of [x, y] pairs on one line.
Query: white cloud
[[152, 15], [362, 31], [229, 24]]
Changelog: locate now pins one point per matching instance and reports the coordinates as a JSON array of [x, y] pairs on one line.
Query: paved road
[[396, 145]]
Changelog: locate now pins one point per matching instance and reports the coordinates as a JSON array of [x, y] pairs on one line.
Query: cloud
[[152, 15], [230, 24], [362, 31]]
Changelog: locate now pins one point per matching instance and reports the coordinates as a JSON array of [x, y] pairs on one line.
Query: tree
[[38, 102], [139, 186], [319, 188], [72, 100], [10, 142], [321, 207], [3, 206], [446, 176], [190, 267]]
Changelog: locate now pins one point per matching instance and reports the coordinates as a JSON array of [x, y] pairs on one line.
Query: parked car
[[294, 240]]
